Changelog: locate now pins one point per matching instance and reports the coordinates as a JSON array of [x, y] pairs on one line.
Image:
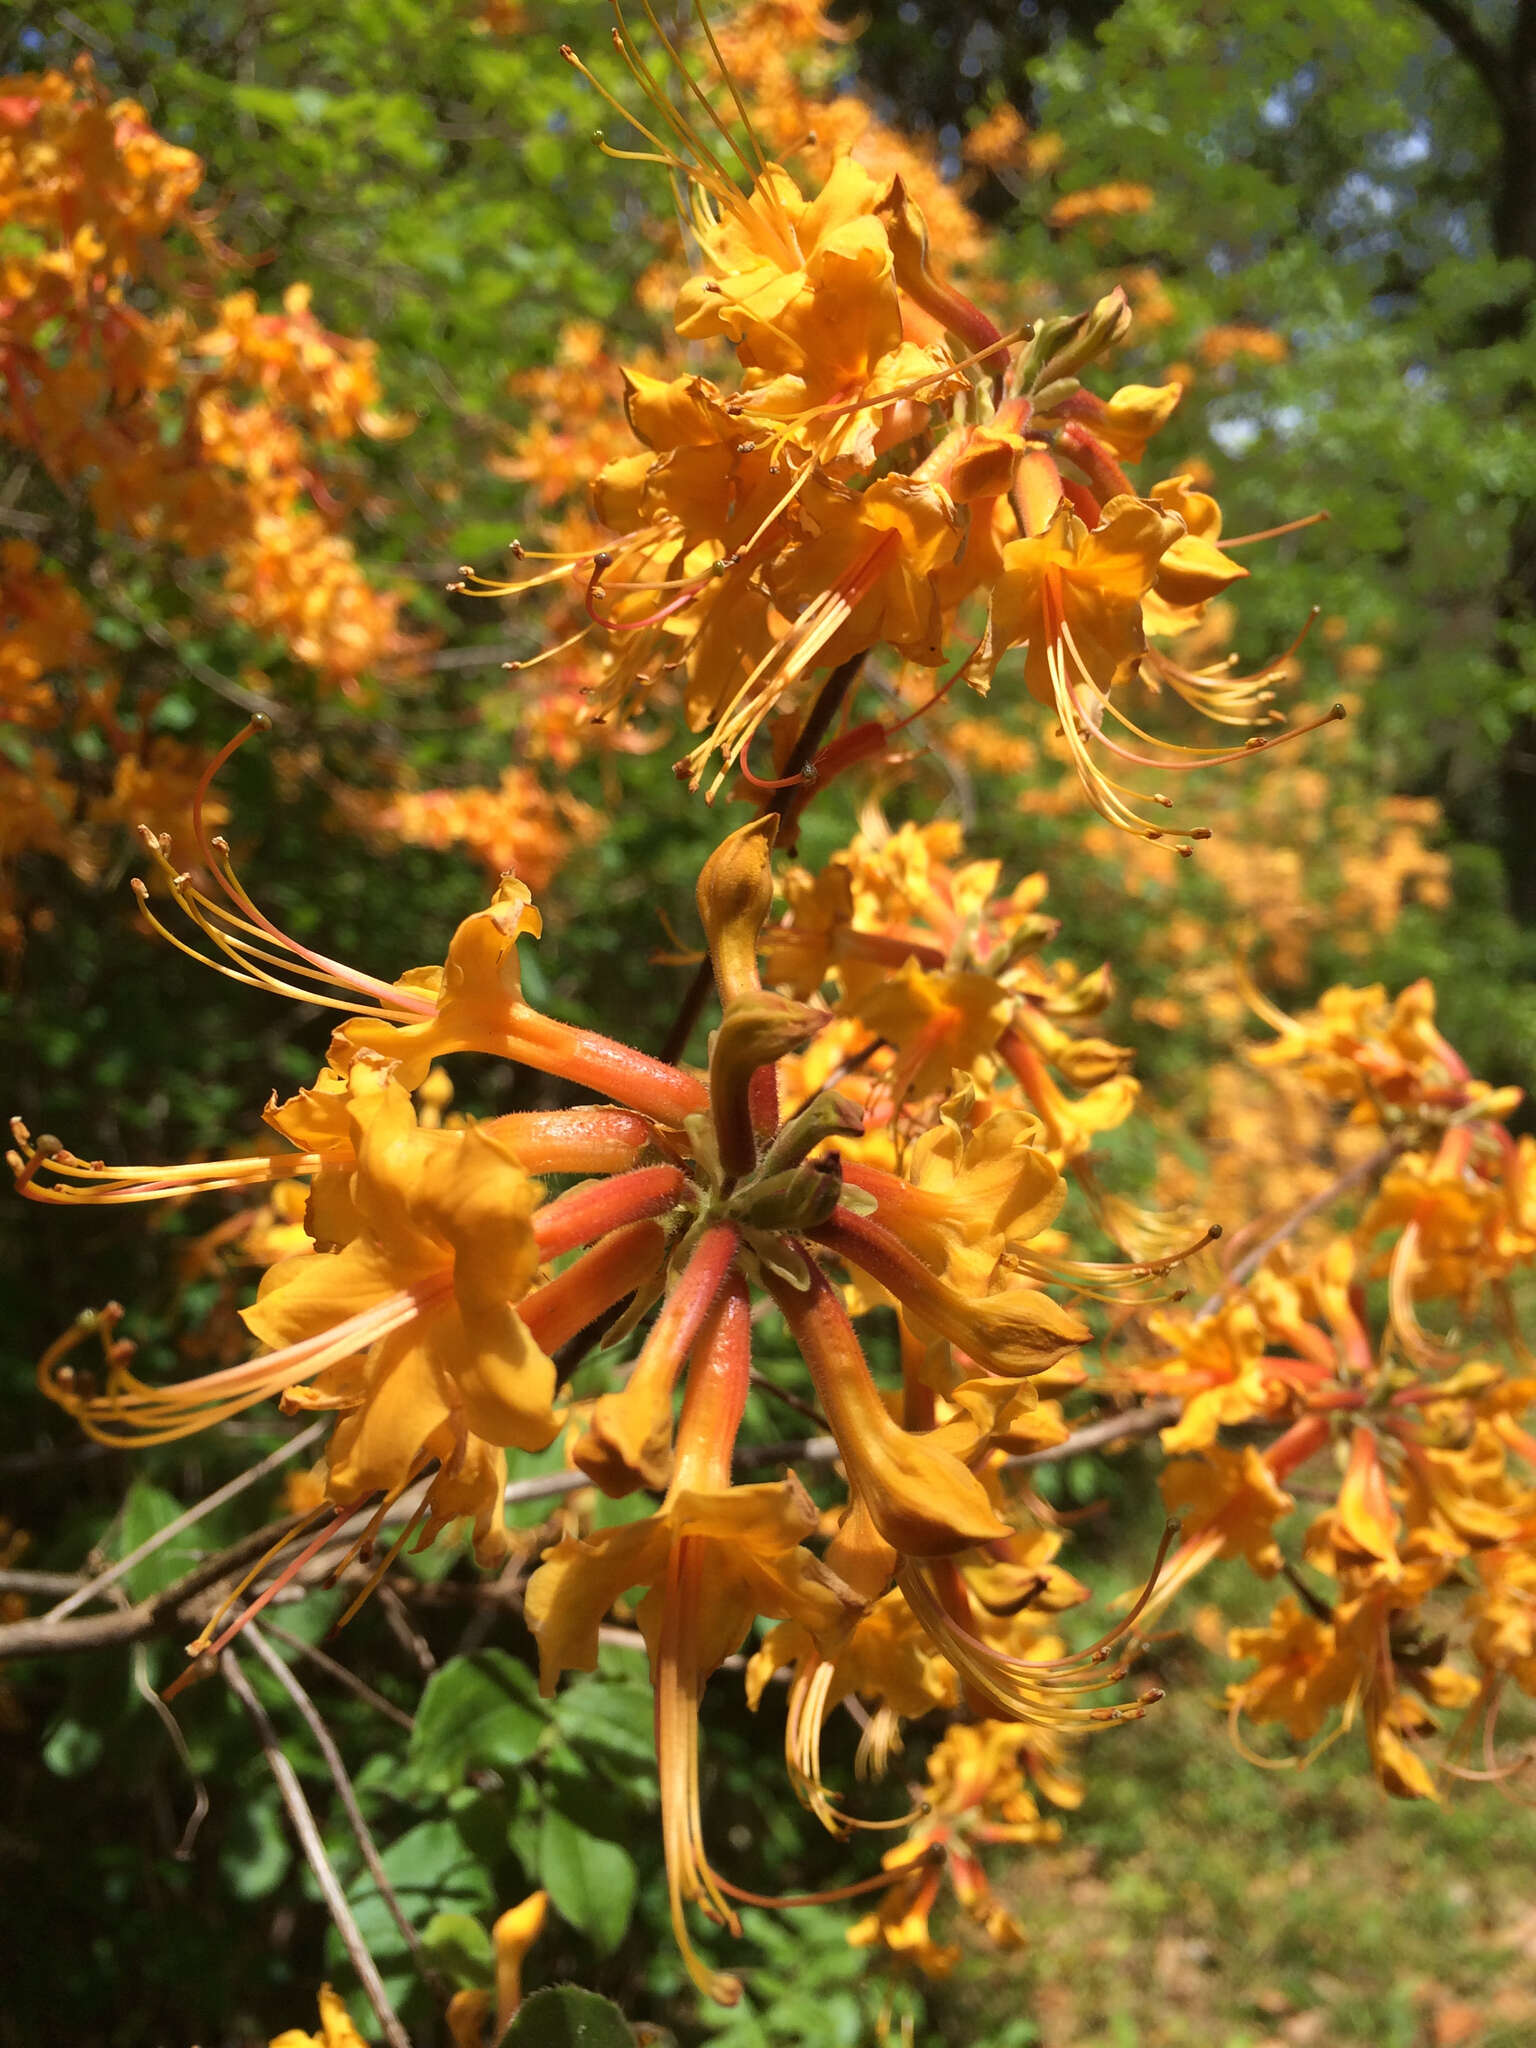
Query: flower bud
[[907, 233], [757, 1028], [735, 892]]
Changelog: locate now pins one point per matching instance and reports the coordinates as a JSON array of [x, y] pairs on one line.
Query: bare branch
[[358, 1687], [176, 1608], [1314, 1205], [326, 1743], [178, 1741], [230, 1491], [292, 1794], [39, 1583], [1109, 1429]]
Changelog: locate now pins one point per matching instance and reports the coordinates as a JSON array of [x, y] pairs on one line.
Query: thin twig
[[358, 1687], [818, 724], [292, 1795], [160, 1614], [1109, 1429], [767, 1386], [216, 1499], [326, 1743], [1250, 1262], [166, 1610], [39, 1582], [676, 1041], [178, 1741], [18, 1464], [398, 1620], [829, 702]]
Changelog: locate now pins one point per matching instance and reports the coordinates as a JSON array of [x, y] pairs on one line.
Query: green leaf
[[433, 1873], [461, 1949], [591, 1883], [613, 1717], [477, 1713], [256, 1855], [561, 2016], [146, 1511], [72, 1747]]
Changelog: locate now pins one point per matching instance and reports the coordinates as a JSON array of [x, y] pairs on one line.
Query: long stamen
[[932, 1858], [1245, 540]]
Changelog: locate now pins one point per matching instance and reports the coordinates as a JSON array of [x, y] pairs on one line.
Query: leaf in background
[[434, 1874], [461, 1949], [146, 1511], [612, 1718], [478, 1713], [256, 1855], [591, 1883], [560, 2016], [72, 1747]]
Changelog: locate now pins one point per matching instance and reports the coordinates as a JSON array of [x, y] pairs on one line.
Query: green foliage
[[477, 1713], [591, 1881], [564, 2016], [1321, 170]]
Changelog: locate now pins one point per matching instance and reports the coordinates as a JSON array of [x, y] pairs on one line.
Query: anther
[[1165, 801], [1199, 831], [516, 550], [260, 722], [1152, 1696]]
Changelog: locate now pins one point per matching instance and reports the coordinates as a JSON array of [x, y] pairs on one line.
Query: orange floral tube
[[591, 1212]]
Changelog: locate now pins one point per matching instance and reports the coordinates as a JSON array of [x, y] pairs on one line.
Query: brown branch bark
[[178, 1607], [182, 1607], [231, 1491], [1467, 39], [292, 1794], [325, 1742]]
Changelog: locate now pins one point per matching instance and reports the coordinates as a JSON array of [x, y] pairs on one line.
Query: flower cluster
[[185, 434], [883, 463], [437, 1281], [1430, 1475], [883, 1196]]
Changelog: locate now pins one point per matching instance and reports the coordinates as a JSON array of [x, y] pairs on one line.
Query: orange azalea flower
[[336, 2028], [713, 1557]]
